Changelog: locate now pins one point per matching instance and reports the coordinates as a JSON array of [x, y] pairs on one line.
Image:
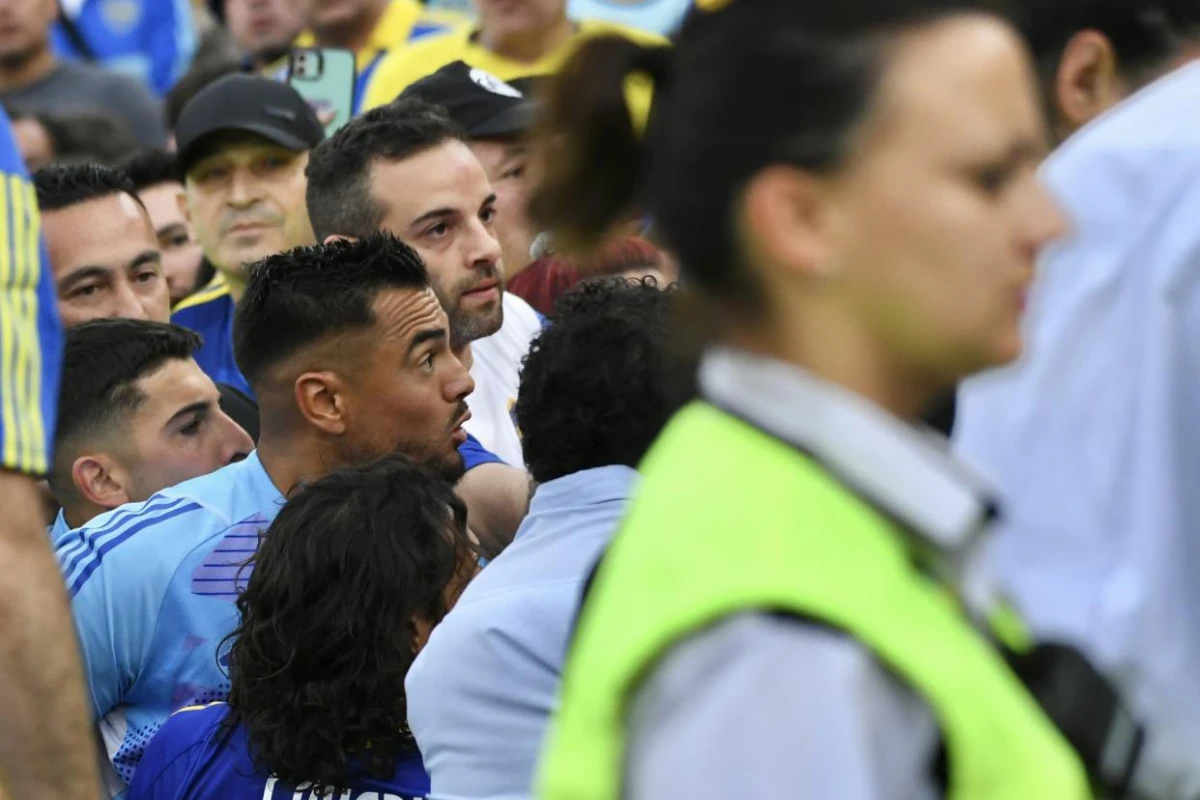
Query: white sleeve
[[778, 709]]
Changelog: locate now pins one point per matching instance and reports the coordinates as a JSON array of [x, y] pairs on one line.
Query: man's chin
[[449, 467]]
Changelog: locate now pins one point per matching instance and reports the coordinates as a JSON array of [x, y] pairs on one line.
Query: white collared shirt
[[763, 707], [1093, 439]]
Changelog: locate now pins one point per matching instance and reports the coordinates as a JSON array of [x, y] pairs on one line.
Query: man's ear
[[337, 237], [100, 480], [181, 201], [788, 213], [1088, 81], [321, 399]]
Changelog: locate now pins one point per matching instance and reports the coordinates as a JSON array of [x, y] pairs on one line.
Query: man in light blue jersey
[[347, 349], [45, 749]]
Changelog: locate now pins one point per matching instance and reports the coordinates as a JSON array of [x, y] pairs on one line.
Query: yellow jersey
[[406, 65]]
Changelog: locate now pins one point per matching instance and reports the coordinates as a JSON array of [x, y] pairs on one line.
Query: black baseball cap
[[478, 102], [251, 103]]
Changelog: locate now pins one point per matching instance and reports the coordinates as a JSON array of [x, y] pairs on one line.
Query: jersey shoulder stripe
[[83, 538], [91, 561]]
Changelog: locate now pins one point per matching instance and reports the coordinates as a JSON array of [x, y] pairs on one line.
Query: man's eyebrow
[[146, 257], [488, 201], [437, 213], [84, 273], [427, 335], [200, 407], [170, 228]]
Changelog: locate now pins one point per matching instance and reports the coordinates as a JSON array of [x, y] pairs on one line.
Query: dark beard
[[449, 467]]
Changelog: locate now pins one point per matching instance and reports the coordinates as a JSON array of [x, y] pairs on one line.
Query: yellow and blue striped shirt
[[30, 334]]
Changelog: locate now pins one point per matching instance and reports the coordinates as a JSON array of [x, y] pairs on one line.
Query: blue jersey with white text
[[153, 40], [196, 757], [152, 587], [30, 335]]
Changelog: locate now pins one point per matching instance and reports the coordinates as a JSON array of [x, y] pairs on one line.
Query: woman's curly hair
[[327, 632]]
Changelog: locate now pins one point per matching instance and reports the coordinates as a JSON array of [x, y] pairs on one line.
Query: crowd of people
[[572, 422]]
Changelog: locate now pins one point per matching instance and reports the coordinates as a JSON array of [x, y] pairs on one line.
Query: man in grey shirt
[[31, 78]]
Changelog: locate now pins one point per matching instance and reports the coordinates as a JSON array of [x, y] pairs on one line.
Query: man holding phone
[[243, 147]]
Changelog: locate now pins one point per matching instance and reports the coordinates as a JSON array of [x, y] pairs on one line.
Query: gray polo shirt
[[774, 708], [78, 87]]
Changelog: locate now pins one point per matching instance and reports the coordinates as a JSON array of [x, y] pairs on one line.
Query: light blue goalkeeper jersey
[[152, 589]]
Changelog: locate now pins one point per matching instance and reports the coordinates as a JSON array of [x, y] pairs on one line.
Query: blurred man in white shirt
[[1092, 439]]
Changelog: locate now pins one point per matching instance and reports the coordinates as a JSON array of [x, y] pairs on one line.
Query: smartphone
[[325, 77]]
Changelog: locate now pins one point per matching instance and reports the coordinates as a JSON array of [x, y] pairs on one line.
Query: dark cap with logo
[[247, 103], [478, 102]]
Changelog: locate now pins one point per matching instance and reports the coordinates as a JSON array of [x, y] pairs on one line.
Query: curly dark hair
[[327, 632], [599, 384]]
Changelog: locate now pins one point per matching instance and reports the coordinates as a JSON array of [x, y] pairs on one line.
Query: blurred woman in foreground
[[790, 609]]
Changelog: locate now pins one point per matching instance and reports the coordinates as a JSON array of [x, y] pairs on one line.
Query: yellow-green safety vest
[[730, 520]]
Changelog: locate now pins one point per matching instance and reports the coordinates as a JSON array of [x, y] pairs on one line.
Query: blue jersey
[[194, 756], [152, 587], [153, 40], [30, 336], [209, 312]]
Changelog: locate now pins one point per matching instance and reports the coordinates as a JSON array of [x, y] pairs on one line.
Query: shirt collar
[[589, 487], [906, 472]]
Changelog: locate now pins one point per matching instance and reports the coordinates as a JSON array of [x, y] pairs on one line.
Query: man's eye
[[85, 291], [191, 429]]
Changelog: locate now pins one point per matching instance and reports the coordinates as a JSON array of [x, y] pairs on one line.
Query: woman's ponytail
[[593, 157]]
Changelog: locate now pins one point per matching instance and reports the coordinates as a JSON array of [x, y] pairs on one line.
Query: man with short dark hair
[[406, 168], [103, 251], [155, 176], [243, 144], [1091, 54], [32, 77], [135, 415], [596, 390], [348, 352]]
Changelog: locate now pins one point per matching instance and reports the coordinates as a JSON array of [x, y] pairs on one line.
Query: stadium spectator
[[135, 416], [350, 577], [71, 138], [264, 29], [595, 392], [103, 251], [155, 176], [152, 40], [348, 353], [243, 146], [33, 78], [496, 118], [510, 40], [371, 28]]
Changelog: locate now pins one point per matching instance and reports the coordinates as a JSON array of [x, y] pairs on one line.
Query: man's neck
[[236, 284], [14, 76], [291, 458], [81, 515], [529, 46], [354, 35]]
